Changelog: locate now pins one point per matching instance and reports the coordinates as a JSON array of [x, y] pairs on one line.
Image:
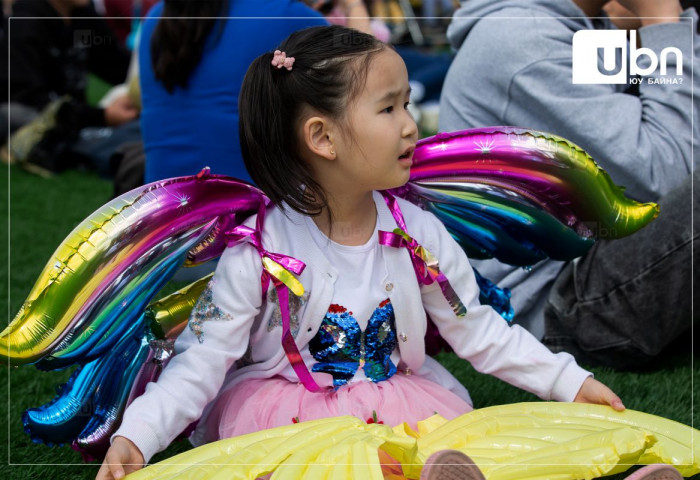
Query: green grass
[[96, 89], [41, 214]]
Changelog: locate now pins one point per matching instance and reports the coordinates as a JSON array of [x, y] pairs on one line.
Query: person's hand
[[653, 11], [122, 458], [621, 17], [592, 391], [120, 111]]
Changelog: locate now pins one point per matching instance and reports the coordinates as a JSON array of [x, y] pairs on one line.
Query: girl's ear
[[318, 137]]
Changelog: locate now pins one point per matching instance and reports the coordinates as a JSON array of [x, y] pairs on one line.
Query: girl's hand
[[122, 458], [592, 391]]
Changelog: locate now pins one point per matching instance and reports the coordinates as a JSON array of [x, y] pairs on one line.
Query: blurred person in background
[[125, 17], [191, 70], [426, 66], [625, 302], [51, 52]]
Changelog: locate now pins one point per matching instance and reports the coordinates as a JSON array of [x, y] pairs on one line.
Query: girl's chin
[[406, 162], [399, 182]]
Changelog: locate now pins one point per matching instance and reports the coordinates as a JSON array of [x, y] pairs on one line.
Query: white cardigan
[[201, 370]]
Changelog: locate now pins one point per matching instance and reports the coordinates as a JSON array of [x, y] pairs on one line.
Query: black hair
[[330, 69], [179, 38]]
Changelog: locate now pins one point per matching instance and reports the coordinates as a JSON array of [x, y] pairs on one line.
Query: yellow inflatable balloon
[[522, 441], [340, 447], [526, 436]]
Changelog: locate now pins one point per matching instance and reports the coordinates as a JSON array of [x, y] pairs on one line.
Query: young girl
[[324, 130]]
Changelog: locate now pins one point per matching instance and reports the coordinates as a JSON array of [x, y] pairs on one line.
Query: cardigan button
[[403, 337], [389, 287]]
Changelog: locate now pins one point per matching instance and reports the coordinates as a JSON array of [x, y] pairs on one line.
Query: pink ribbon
[[243, 233], [424, 263]]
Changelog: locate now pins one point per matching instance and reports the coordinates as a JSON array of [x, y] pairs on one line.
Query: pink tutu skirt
[[258, 404]]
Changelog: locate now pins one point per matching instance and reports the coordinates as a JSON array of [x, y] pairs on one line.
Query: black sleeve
[[80, 115], [28, 74]]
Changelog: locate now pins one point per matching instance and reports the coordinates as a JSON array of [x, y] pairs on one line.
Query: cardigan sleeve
[[217, 335], [483, 337]]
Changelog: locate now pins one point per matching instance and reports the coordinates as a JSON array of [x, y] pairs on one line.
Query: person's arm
[[121, 110], [645, 142], [216, 336], [28, 75], [31, 76], [486, 340], [79, 114], [652, 12]]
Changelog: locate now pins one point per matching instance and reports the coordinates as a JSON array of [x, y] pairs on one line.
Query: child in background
[[325, 131]]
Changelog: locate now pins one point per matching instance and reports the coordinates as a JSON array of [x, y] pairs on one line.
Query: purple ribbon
[[290, 264], [424, 263]]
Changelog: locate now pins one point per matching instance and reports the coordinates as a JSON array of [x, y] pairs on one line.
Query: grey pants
[[627, 301]]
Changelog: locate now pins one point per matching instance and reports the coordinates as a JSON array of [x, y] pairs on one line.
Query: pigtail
[[268, 142]]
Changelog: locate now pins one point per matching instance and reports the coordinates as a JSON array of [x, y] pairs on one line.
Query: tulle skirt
[[259, 404]]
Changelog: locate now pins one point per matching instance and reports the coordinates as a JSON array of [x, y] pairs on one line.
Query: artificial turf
[[41, 213]]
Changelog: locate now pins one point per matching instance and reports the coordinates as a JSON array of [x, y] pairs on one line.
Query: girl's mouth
[[407, 154]]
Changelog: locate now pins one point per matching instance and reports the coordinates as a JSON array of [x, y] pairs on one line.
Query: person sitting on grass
[[325, 130], [515, 66], [52, 49]]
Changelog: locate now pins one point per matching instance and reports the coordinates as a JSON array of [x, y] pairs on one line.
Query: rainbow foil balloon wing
[[517, 195], [92, 305]]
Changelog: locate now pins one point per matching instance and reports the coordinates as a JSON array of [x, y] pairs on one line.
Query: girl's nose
[[410, 129]]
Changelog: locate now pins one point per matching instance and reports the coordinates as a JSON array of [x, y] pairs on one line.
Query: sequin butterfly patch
[[205, 310], [341, 347], [295, 305]]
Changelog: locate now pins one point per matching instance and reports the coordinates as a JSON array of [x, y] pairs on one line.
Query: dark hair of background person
[[330, 69], [180, 36]]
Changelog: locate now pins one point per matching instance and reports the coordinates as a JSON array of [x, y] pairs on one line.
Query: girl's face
[[377, 153]]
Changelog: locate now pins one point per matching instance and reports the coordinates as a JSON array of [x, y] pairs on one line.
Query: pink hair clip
[[280, 60]]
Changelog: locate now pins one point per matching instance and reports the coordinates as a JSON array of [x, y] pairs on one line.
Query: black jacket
[[51, 57]]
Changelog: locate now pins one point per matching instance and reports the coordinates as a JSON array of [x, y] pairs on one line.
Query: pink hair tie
[[280, 60]]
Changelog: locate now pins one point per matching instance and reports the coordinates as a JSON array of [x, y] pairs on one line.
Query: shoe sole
[[656, 472], [450, 465]]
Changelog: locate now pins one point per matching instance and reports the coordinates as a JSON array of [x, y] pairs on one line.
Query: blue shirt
[[197, 126]]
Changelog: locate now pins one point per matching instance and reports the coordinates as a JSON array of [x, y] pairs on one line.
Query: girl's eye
[[388, 109], [405, 105]]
